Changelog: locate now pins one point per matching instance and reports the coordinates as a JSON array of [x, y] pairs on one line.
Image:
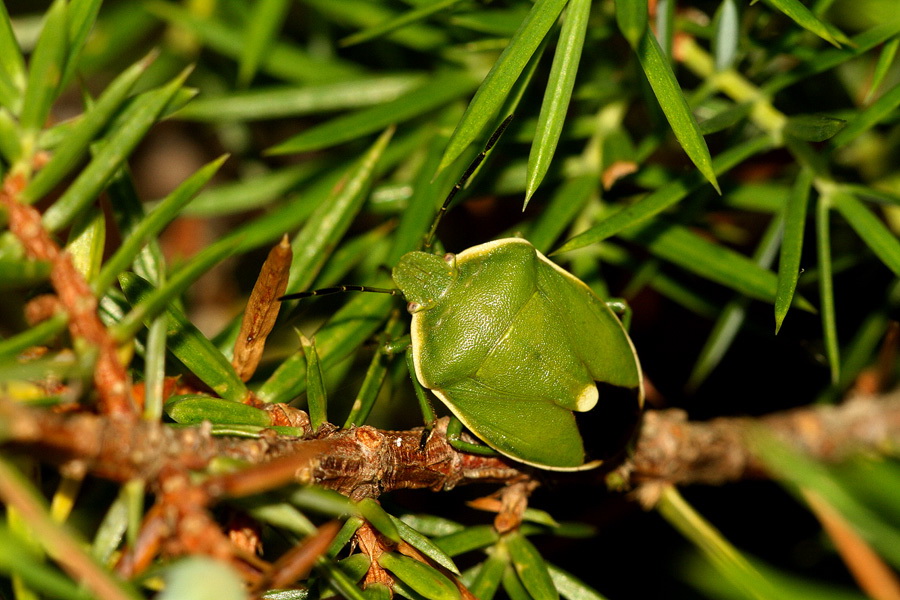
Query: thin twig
[[110, 378]]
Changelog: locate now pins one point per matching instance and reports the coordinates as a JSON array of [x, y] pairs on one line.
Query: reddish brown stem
[[111, 380]]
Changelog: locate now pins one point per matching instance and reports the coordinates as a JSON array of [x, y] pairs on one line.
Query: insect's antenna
[[338, 289], [465, 178]]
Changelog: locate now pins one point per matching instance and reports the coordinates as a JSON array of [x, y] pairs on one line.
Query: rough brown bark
[[366, 462]]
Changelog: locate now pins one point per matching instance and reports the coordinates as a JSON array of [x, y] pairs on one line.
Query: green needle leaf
[[136, 121], [570, 586], [348, 329], [712, 261], [156, 301], [348, 530], [321, 500], [189, 345], [375, 591], [732, 317], [489, 576], [424, 545], [45, 69], [436, 92], [882, 68], [792, 245], [148, 227], [813, 128], [266, 19], [727, 25], [513, 586], [870, 515], [374, 379], [31, 568], [419, 576], [287, 62], [290, 214], [664, 197], [530, 566], [330, 221], [380, 520], [66, 156], [631, 17], [557, 94], [432, 525], [727, 559], [155, 371], [725, 119], [806, 19], [339, 580], [418, 14], [81, 16], [826, 288], [35, 336], [276, 102], [316, 399], [499, 81], [87, 240], [665, 24], [10, 138], [12, 65], [55, 538], [471, 538], [201, 578], [877, 112], [193, 409], [832, 57], [674, 105], [129, 212], [873, 232], [22, 273], [255, 192], [363, 14]]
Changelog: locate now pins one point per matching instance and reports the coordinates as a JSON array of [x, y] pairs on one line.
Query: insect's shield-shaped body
[[512, 344]]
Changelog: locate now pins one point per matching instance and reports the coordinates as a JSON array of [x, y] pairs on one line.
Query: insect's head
[[424, 278]]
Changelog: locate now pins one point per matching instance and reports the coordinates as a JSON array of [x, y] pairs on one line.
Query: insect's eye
[[413, 307], [449, 258]]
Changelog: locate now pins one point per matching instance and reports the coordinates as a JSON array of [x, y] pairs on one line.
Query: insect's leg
[[392, 347], [378, 369], [621, 307], [421, 394], [424, 403], [453, 431]]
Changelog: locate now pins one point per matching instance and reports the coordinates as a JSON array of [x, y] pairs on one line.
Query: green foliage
[[717, 165]]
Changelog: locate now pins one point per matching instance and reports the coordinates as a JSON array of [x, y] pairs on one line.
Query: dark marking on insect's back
[[608, 428]]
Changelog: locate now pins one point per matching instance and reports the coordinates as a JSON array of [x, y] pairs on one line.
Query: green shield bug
[[511, 343]]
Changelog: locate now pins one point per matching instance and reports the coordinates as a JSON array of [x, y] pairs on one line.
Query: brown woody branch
[[672, 449], [365, 461]]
